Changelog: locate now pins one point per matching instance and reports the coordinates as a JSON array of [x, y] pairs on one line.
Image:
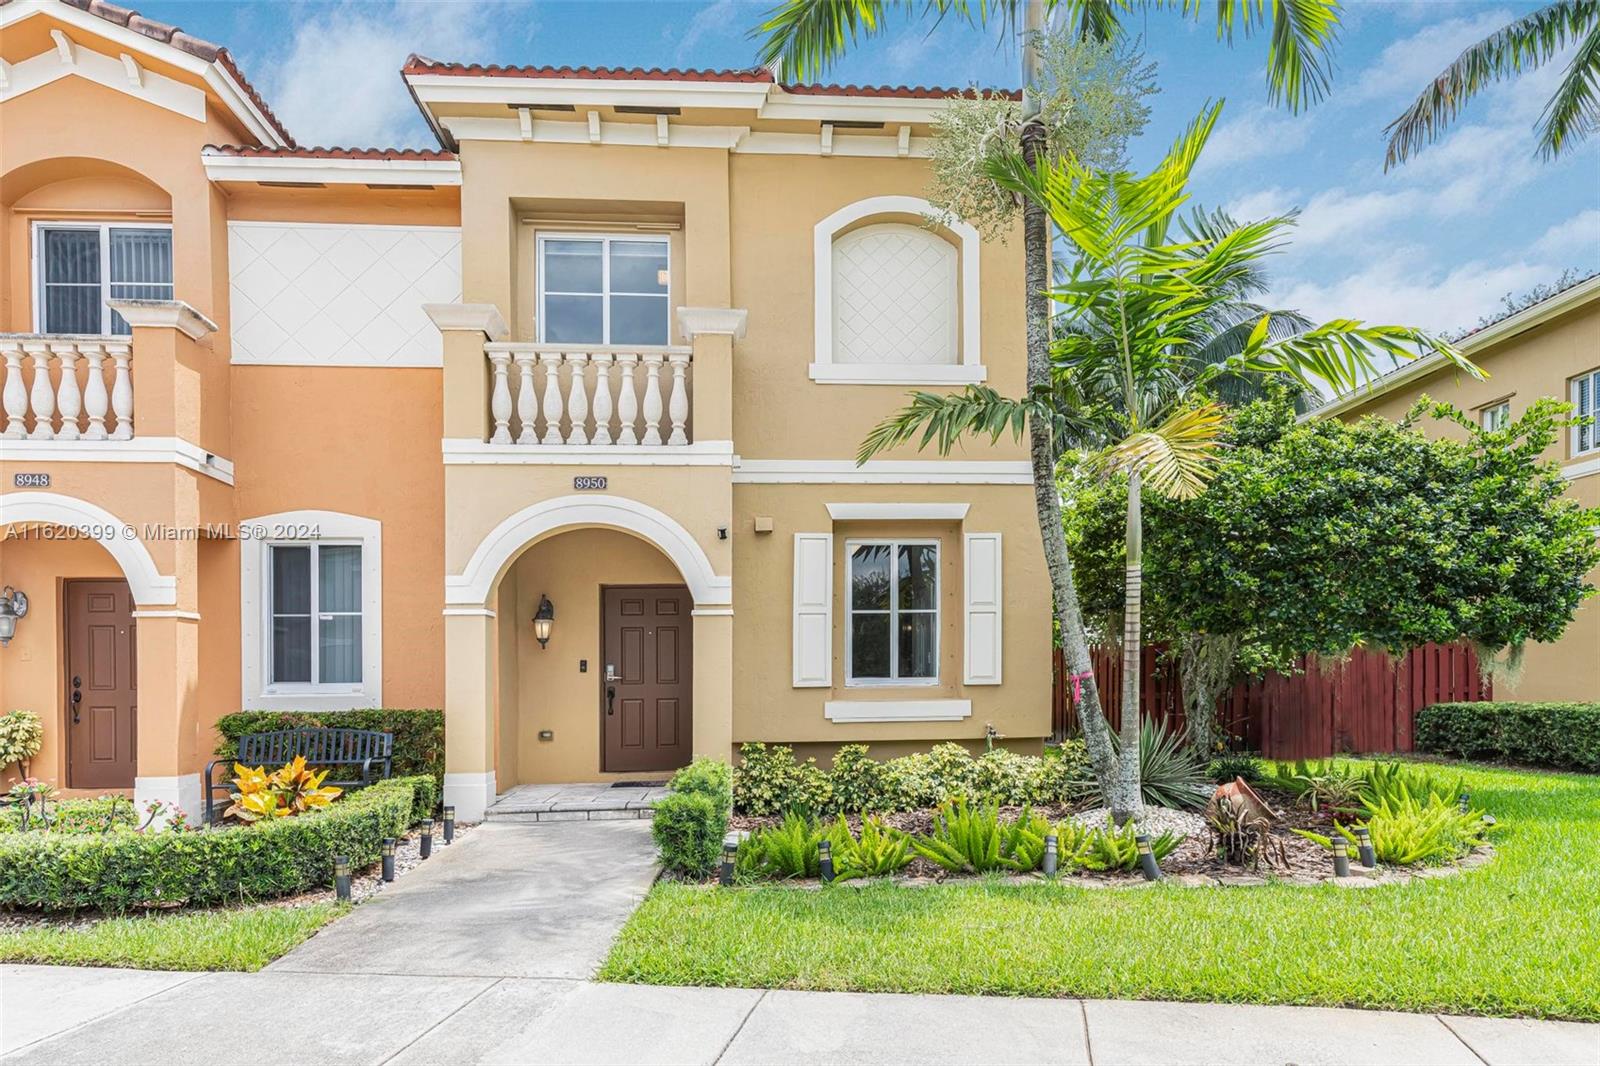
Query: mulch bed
[[1194, 863]]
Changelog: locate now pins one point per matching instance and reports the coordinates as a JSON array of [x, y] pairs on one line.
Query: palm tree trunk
[[1124, 800], [1041, 450]]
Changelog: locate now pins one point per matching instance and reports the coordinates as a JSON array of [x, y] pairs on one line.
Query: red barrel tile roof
[[250, 151]]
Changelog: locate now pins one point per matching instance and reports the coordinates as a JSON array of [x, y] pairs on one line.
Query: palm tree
[[1573, 111], [804, 36], [1131, 381]]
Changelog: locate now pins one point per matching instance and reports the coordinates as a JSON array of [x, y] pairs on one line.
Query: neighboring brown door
[[102, 696], [646, 705]]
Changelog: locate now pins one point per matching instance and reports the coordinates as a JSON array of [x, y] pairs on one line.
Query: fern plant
[[780, 852], [1110, 848], [1406, 830], [877, 851], [967, 839], [1320, 783]]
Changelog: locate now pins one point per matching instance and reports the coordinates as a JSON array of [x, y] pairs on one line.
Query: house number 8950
[[590, 482]]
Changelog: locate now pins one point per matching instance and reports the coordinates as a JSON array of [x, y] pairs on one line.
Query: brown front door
[[646, 703], [102, 690]]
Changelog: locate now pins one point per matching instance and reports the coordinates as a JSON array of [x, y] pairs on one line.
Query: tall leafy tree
[[1527, 43], [1130, 383], [803, 37]]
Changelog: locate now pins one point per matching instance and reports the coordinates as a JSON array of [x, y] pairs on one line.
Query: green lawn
[[1517, 936], [245, 938]]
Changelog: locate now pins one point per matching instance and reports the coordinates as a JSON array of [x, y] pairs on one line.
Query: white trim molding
[[468, 612], [470, 794], [182, 616], [1581, 468], [898, 512], [693, 321], [324, 170], [470, 318], [823, 367], [255, 604], [844, 711], [174, 450], [171, 314], [56, 63], [147, 584], [711, 612], [469, 451], [475, 584], [882, 472]]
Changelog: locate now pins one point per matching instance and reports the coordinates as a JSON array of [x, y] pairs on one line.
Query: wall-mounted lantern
[[13, 605], [544, 620]]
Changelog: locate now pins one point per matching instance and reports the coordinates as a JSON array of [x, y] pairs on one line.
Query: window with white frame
[[311, 611], [316, 614], [79, 266], [1496, 416], [1586, 398], [604, 289], [893, 618]]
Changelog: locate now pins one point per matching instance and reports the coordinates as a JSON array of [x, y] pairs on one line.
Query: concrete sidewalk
[[56, 1015]]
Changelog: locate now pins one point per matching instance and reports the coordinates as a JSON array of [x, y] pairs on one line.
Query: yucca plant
[[877, 851]]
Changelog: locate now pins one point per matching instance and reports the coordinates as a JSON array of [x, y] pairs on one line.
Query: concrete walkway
[[56, 1015], [484, 955], [575, 803]]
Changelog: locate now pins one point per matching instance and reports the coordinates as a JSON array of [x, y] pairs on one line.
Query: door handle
[[611, 694], [77, 698]]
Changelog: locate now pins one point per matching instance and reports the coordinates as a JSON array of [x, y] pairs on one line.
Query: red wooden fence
[[1363, 704]]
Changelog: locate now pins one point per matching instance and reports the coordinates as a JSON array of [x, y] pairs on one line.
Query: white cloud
[[338, 80], [1578, 238], [1395, 290], [1264, 203], [714, 20], [1406, 65], [1257, 134]]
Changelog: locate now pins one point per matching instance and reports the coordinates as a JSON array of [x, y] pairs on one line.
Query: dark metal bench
[[324, 748]]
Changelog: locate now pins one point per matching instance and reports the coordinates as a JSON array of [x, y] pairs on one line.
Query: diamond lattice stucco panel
[[339, 295], [894, 297]]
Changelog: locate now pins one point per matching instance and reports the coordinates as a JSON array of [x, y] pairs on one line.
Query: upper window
[[1495, 416], [895, 297], [893, 634], [604, 290], [1586, 398], [316, 615], [79, 266]]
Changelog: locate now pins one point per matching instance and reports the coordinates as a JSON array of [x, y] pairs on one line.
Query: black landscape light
[[1341, 857], [388, 858], [729, 851], [1147, 858], [449, 824], [341, 878], [427, 837], [1364, 847], [1051, 856], [825, 860]]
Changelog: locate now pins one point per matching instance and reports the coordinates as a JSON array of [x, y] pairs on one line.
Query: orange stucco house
[[304, 428]]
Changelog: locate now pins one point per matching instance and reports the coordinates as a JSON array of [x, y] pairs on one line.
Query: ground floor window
[[316, 614], [893, 625]]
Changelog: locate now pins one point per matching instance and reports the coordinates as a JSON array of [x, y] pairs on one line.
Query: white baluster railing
[[574, 395], [55, 388]]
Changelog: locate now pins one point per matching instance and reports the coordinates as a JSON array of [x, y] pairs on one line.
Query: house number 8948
[[590, 482]]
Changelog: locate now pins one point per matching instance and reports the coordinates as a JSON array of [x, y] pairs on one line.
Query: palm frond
[[1522, 45], [804, 37], [942, 419], [1093, 20], [1300, 43], [1175, 458], [1339, 353]]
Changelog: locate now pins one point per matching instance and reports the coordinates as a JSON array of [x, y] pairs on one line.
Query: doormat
[[639, 784]]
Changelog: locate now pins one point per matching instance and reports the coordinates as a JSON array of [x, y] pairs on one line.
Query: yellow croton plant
[[292, 789]]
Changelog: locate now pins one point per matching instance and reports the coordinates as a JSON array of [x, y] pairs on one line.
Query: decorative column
[[96, 401], [465, 329], [43, 397], [68, 399], [712, 331], [652, 398], [527, 406], [627, 400], [500, 396], [552, 397], [602, 398], [470, 641], [122, 391], [678, 404], [578, 399], [15, 395]]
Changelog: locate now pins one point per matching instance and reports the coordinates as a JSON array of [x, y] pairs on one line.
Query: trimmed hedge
[[1563, 736], [418, 734], [691, 820], [120, 871]]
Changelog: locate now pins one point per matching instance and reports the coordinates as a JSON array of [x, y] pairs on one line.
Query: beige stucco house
[[1549, 349], [306, 428]]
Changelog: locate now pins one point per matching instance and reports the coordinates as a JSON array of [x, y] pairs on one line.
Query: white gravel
[[1154, 820]]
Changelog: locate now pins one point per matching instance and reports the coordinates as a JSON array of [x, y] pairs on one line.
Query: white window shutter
[[813, 610], [981, 587]]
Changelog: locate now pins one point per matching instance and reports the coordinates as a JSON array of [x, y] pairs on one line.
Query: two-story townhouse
[[1551, 348], [552, 426]]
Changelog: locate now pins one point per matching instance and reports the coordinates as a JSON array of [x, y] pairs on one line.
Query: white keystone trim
[[182, 616], [712, 612], [173, 450], [469, 451], [882, 472], [897, 710], [892, 512], [255, 649], [148, 585], [474, 585], [175, 314], [480, 318], [331, 171], [728, 320], [468, 612], [822, 236]]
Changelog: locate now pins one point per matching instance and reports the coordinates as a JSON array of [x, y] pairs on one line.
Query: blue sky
[[1435, 243]]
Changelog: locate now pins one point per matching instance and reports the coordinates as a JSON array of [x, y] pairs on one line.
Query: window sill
[[313, 701], [848, 711], [884, 374]]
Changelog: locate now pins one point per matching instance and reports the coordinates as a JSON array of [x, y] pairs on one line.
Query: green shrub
[[21, 736], [967, 839], [1406, 830], [1230, 765], [770, 781], [1171, 773], [1563, 736], [860, 783], [779, 852], [1109, 848], [878, 850], [123, 870], [707, 776], [100, 815], [688, 829], [1321, 783], [418, 734]]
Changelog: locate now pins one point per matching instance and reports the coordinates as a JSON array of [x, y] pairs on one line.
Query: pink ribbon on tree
[[1077, 685]]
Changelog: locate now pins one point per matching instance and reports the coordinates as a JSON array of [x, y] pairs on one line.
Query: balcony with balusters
[[66, 388], [558, 395]]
